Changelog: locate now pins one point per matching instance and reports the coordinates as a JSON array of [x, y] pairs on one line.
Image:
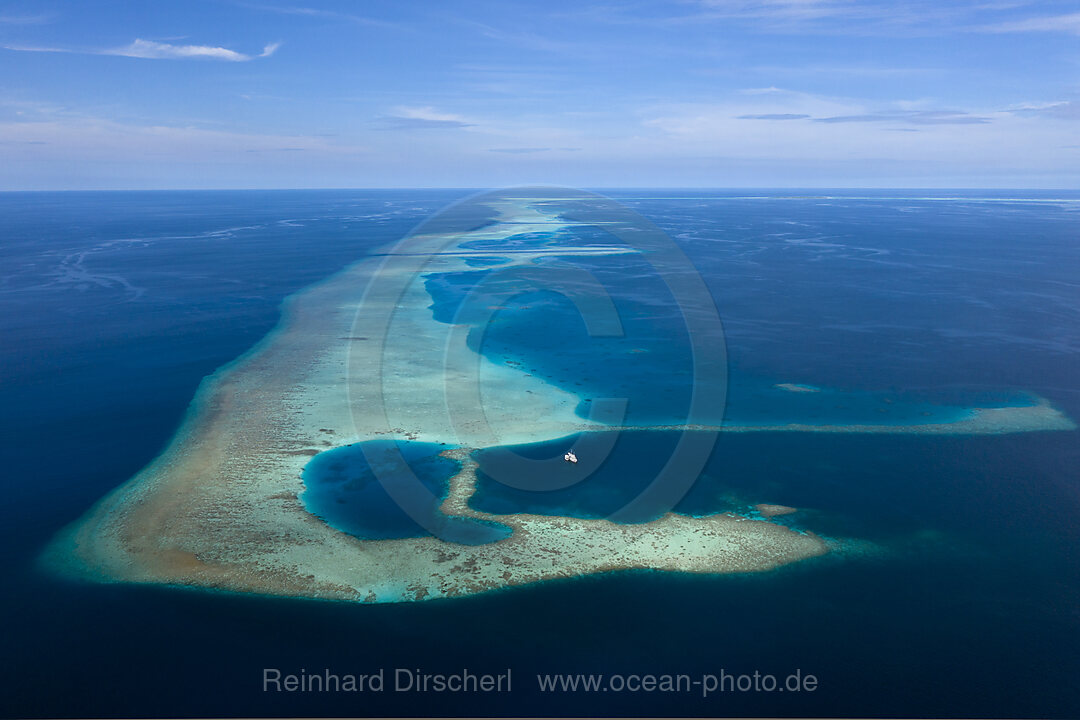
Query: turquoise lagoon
[[383, 489]]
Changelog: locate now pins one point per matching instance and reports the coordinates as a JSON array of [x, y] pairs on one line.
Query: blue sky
[[683, 93]]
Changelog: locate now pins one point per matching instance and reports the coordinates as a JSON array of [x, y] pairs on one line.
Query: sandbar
[[797, 387]]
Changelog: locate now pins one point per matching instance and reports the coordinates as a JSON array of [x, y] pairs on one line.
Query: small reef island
[[359, 360]]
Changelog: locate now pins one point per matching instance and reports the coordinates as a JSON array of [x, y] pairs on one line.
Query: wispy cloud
[[164, 51], [876, 17], [88, 136], [831, 16], [25, 19], [38, 48], [528, 40], [1060, 110], [320, 13], [811, 69], [421, 118], [519, 151], [782, 123], [774, 116], [771, 90], [1069, 23], [911, 117], [148, 49], [921, 117], [784, 9]]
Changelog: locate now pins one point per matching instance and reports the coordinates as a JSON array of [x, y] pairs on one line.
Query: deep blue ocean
[[901, 306]]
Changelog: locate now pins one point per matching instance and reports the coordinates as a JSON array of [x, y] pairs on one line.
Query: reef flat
[[358, 357], [797, 387], [1039, 416]]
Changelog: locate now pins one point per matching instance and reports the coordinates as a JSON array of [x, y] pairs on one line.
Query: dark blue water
[[649, 360], [382, 489], [115, 305]]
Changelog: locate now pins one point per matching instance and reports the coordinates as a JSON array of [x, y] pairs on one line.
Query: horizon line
[[481, 188]]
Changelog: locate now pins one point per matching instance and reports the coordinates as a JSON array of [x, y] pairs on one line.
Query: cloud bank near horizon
[[792, 93]]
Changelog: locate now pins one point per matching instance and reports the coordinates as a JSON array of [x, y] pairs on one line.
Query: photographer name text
[[383, 680]]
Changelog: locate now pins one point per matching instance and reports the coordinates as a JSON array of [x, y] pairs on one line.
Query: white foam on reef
[[360, 356]]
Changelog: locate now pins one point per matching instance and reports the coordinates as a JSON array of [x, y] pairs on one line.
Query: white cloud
[[521, 150], [784, 9], [89, 138], [164, 51], [322, 14], [24, 19], [37, 48], [149, 49], [1059, 110], [876, 17], [407, 118], [1049, 23], [771, 90], [833, 16], [427, 113], [97, 153], [1036, 106], [789, 126]]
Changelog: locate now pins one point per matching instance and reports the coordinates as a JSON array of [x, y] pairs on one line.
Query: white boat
[[570, 457]]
